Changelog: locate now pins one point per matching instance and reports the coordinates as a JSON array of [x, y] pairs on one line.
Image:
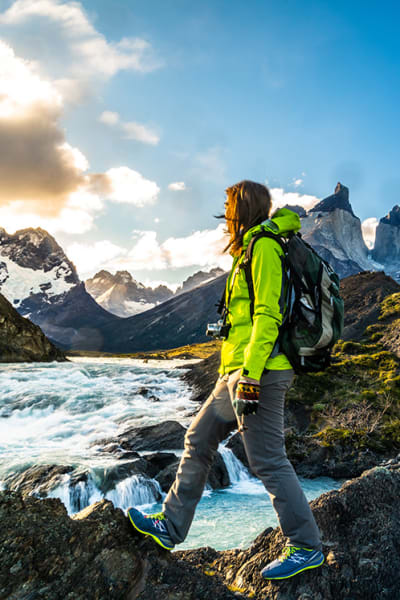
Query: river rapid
[[58, 413]]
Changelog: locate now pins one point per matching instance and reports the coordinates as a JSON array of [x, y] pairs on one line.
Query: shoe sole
[[155, 538], [296, 573]]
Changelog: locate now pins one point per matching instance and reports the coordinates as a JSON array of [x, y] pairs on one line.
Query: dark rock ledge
[[97, 555]]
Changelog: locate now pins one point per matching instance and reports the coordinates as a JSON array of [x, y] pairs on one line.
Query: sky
[[122, 122]]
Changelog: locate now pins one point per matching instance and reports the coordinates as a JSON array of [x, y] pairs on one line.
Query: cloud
[[37, 165], [109, 118], [70, 44], [44, 180], [127, 186], [298, 182], [90, 258], [177, 186], [368, 228], [281, 198], [130, 129], [200, 249]]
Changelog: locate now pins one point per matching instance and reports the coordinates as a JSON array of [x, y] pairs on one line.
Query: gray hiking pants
[[265, 448]]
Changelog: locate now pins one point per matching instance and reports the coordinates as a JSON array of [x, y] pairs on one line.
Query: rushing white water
[[58, 414]]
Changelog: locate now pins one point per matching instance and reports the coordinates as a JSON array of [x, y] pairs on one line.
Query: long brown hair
[[247, 204]]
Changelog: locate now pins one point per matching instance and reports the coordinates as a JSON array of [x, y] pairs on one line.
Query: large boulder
[[21, 340]]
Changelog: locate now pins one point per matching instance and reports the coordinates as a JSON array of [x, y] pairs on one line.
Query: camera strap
[[223, 307]]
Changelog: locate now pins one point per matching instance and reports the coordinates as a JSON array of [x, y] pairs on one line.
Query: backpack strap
[[246, 263]]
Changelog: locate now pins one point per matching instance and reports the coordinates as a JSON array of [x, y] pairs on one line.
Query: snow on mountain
[[122, 295], [387, 242], [32, 264]]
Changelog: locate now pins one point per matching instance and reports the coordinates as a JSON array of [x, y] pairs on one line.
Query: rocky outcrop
[[199, 278], [21, 340], [97, 554], [335, 233], [363, 295], [387, 242]]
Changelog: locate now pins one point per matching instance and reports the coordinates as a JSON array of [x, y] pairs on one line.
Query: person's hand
[[247, 396]]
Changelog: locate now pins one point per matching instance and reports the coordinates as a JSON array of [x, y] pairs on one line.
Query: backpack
[[313, 319]]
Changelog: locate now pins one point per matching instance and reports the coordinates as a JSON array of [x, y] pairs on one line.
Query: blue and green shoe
[[292, 562], [152, 525]]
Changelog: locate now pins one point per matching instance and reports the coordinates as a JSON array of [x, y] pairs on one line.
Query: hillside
[[21, 340]]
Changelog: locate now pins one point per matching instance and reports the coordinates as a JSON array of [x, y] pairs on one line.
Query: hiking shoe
[[291, 562], [153, 525]]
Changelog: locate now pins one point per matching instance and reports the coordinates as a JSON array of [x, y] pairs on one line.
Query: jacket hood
[[282, 222]]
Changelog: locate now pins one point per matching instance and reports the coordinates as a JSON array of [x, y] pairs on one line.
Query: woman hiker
[[253, 379]]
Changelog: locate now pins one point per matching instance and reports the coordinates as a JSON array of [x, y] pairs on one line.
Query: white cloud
[[200, 249], [90, 258], [109, 118], [130, 187], [298, 182], [281, 198], [177, 186], [71, 47], [139, 132], [368, 228], [130, 129]]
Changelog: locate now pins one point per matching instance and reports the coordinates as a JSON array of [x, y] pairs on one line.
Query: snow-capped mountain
[[33, 267], [387, 243], [122, 295], [39, 280], [332, 228]]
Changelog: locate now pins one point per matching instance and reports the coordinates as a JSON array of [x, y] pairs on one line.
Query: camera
[[218, 330]]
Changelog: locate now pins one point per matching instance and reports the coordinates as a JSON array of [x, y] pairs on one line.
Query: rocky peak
[[300, 210], [124, 278], [335, 233], [393, 217], [387, 242], [36, 249], [339, 199]]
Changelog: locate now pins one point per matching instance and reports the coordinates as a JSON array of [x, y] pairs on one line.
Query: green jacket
[[249, 344]]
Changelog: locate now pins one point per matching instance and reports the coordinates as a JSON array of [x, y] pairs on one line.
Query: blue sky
[[299, 94]]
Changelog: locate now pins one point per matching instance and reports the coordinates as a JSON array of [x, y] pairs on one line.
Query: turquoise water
[[54, 413]]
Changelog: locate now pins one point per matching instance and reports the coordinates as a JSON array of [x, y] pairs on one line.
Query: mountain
[[387, 243], [178, 321], [335, 232], [42, 283], [122, 295], [199, 278], [21, 340]]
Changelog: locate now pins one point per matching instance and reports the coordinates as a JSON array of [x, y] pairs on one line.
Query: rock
[[158, 461], [168, 435], [335, 233], [362, 295], [98, 554], [21, 340], [387, 242], [38, 479], [235, 443], [218, 477]]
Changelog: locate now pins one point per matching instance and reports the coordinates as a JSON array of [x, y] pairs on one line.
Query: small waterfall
[[132, 491], [76, 495], [135, 491], [236, 470]]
